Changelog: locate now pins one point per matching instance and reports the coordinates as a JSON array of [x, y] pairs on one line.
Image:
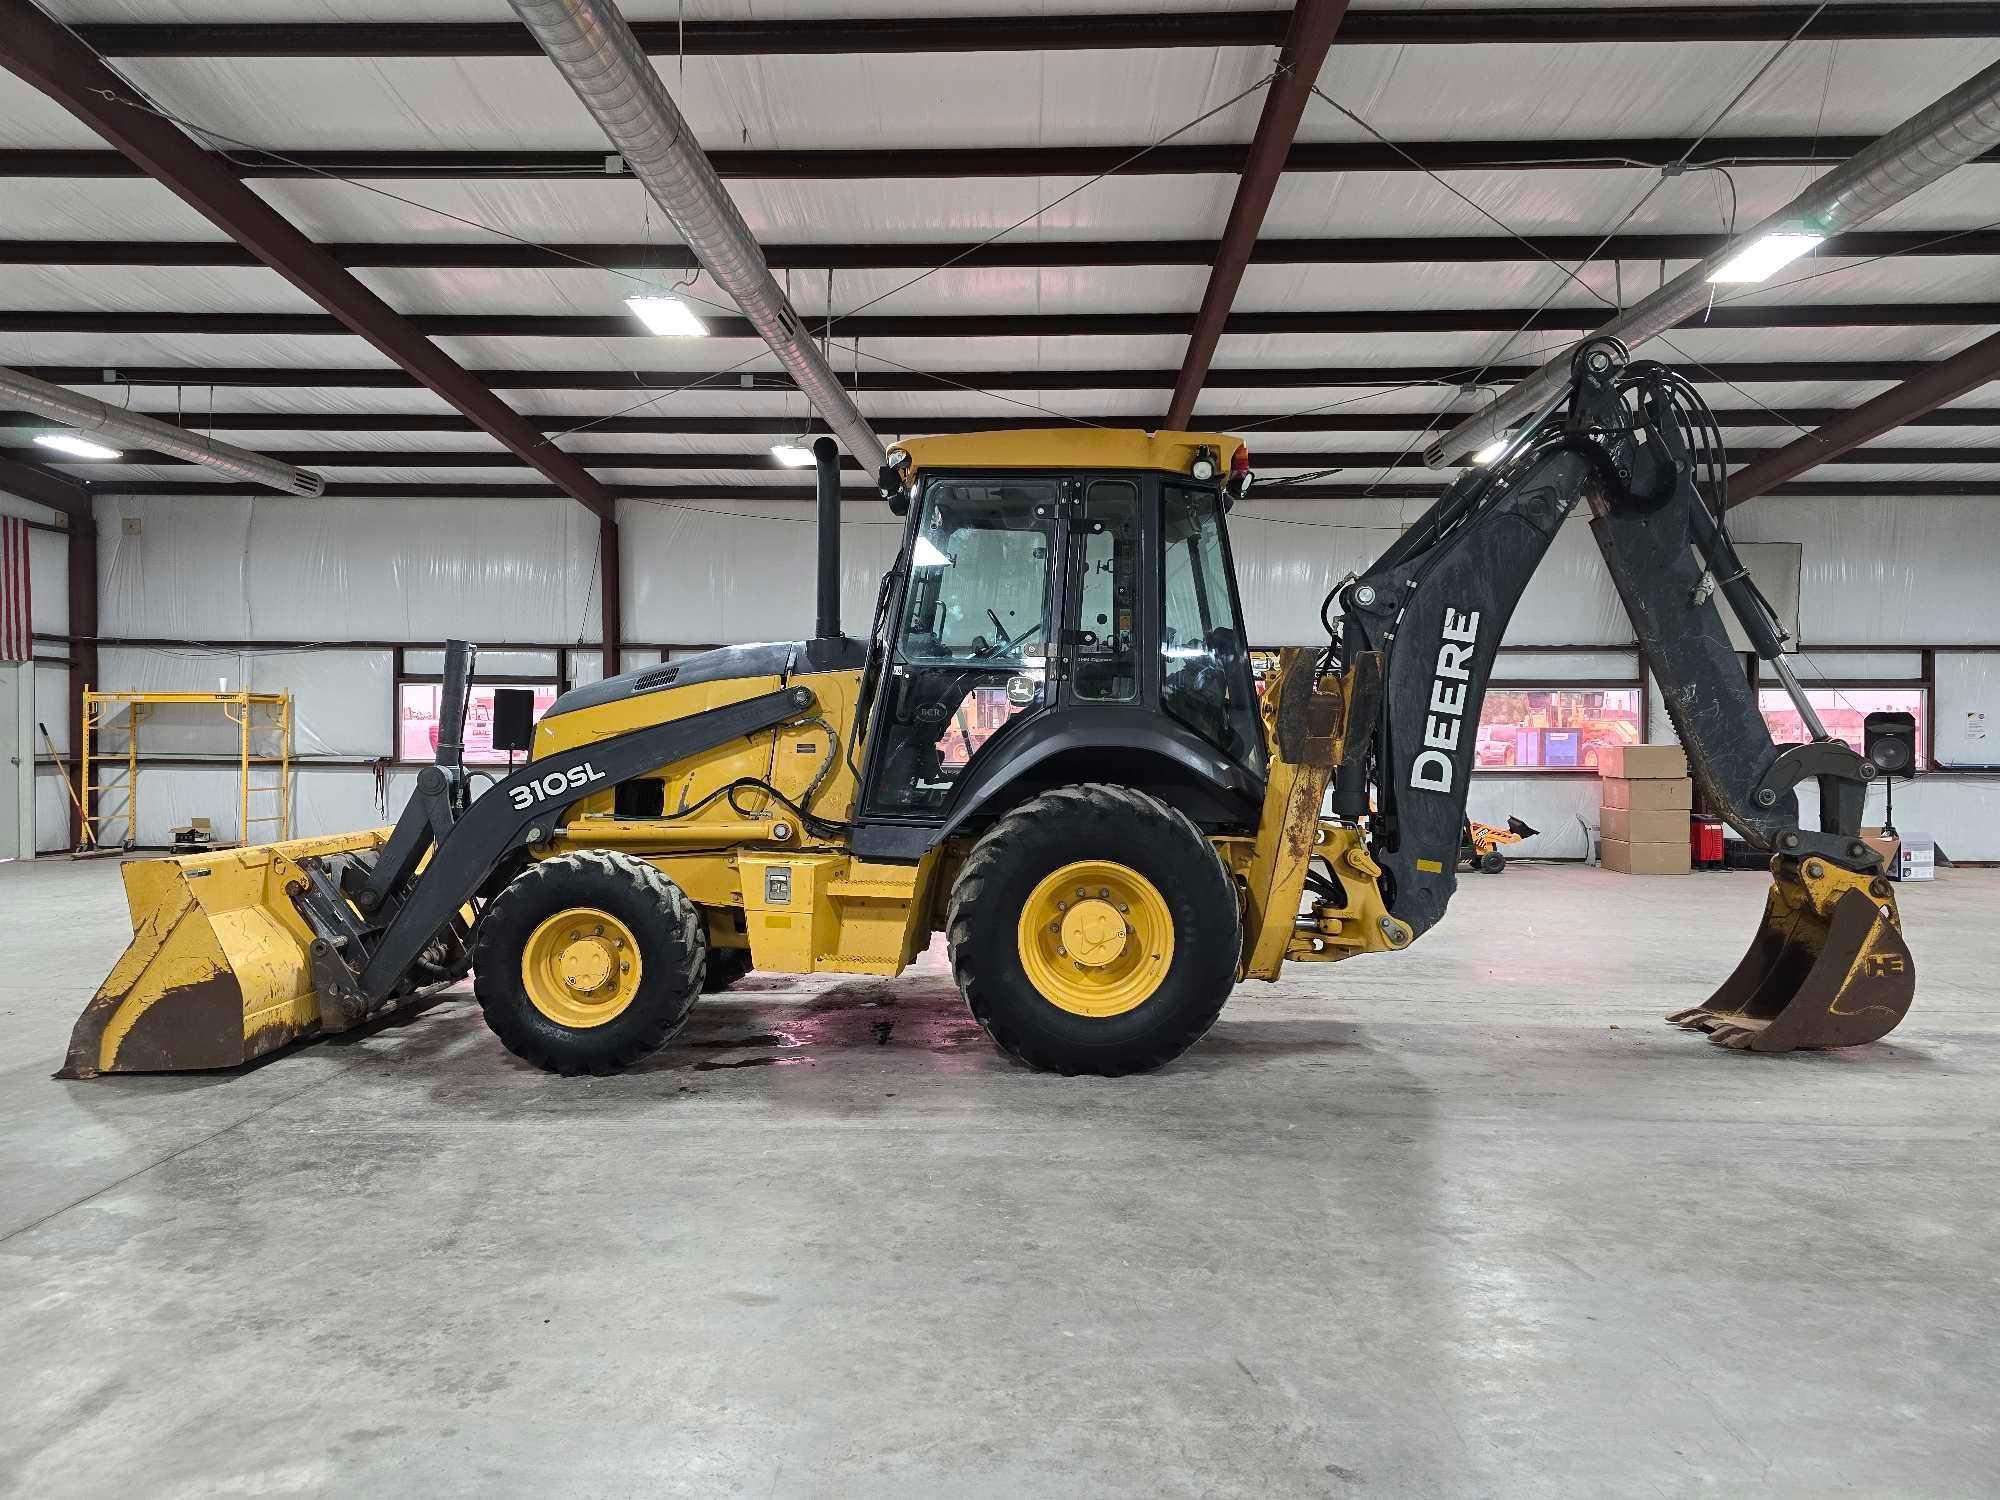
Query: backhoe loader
[[1049, 747]]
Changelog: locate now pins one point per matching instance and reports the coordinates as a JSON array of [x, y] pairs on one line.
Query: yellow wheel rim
[[581, 967], [1096, 938]]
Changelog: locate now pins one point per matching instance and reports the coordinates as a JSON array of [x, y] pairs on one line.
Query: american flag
[[17, 631]]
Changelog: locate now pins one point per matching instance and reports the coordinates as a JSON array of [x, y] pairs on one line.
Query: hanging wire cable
[[1057, 202]]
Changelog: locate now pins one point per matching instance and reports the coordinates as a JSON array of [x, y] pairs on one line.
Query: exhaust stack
[[826, 463]]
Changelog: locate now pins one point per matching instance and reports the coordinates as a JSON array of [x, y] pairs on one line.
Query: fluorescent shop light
[[669, 317], [1768, 253]]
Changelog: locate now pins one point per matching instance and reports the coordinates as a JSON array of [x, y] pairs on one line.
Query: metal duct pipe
[[96, 419], [594, 49], [1964, 124]]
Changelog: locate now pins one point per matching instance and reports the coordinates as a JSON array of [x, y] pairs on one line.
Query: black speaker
[[513, 718], [1889, 740]]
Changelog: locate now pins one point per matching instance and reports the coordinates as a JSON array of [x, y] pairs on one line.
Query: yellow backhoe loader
[[1050, 748]]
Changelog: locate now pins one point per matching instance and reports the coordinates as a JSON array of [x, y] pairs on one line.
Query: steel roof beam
[[663, 383], [890, 255], [654, 458], [22, 474], [1593, 153], [1307, 37], [778, 424], [1017, 33], [1836, 442], [622, 325], [44, 54]]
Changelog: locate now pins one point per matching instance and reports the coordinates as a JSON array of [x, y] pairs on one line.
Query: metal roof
[[1372, 344]]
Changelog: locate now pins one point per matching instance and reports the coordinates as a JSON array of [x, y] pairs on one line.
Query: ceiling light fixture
[[69, 442], [1763, 255], [667, 316], [792, 455]]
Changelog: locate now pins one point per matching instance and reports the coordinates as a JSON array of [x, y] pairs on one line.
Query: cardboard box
[[1646, 859], [1650, 796], [1885, 844], [1642, 763], [1918, 858], [1632, 826]]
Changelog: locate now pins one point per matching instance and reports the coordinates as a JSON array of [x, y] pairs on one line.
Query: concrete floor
[[1463, 1221]]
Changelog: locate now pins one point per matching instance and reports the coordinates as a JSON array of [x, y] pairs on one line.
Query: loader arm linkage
[[1829, 967], [238, 952]]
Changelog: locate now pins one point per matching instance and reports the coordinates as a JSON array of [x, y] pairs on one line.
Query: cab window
[[1205, 679]]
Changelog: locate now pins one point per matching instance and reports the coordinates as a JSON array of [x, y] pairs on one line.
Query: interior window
[[1205, 672], [971, 650], [1105, 542]]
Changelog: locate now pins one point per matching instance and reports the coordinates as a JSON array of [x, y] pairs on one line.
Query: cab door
[[975, 647]]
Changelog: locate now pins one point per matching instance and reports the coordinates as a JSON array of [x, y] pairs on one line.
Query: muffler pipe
[[826, 462]]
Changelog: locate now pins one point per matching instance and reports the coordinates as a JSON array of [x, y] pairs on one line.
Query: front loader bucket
[[1828, 967], [218, 970]]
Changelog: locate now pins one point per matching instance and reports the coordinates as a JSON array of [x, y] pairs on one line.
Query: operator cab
[[1061, 596]]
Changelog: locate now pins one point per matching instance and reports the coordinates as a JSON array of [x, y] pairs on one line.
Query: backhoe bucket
[[219, 967], [1828, 967]]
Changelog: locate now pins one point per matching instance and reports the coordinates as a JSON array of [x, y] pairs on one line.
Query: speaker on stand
[[513, 720], [1889, 743]]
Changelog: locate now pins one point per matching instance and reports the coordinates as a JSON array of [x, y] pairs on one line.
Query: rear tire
[[588, 962], [1493, 863], [1155, 893]]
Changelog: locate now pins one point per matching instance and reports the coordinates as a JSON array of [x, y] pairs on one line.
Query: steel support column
[[610, 592]]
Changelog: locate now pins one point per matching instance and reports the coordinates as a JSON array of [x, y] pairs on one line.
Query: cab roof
[[1066, 448]]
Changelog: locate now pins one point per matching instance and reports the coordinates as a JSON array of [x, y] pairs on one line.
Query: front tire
[[1094, 930], [588, 962]]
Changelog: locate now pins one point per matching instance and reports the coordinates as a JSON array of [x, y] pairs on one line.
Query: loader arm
[[1435, 608]]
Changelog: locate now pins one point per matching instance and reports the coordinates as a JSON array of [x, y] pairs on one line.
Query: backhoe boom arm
[[1434, 608]]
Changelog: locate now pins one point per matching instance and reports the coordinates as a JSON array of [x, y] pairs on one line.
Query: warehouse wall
[[1915, 572], [48, 571]]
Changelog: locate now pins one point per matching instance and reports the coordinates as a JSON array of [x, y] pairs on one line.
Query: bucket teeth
[[1828, 967]]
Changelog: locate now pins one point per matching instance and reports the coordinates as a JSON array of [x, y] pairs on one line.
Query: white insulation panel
[[1885, 572], [235, 568], [341, 699]]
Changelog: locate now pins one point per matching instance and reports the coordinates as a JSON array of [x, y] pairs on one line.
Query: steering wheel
[[1006, 642]]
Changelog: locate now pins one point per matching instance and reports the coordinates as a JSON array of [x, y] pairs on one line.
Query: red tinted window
[[1554, 728], [417, 721], [1842, 710]]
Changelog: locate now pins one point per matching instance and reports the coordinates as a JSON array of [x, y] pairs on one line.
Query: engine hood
[[760, 659]]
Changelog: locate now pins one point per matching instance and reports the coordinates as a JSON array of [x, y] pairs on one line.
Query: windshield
[[979, 575]]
